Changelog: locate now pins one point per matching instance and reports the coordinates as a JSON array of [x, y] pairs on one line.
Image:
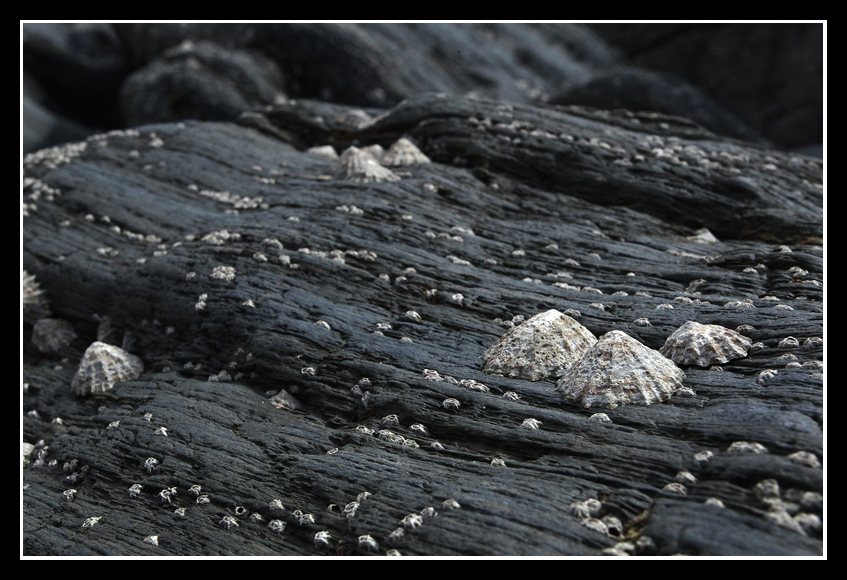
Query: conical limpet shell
[[545, 345], [619, 370], [102, 366], [705, 345], [362, 167], [403, 152]]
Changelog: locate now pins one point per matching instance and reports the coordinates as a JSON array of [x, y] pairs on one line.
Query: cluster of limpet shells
[[370, 165], [619, 370], [545, 345], [705, 345]]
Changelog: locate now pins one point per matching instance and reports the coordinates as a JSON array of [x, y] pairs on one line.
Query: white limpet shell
[[705, 345], [102, 366], [619, 370], [545, 345], [403, 152], [324, 150], [361, 166]]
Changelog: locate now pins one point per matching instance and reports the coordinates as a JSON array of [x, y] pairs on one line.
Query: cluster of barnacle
[[588, 512], [793, 509]]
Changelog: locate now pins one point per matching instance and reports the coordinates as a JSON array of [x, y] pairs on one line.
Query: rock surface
[[236, 265]]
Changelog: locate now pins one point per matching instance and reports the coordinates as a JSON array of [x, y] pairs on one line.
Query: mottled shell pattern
[[545, 345], [102, 366], [705, 345], [619, 370], [361, 166]]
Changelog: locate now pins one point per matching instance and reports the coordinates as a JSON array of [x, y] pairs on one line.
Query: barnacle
[[403, 152], [619, 370], [546, 344], [102, 366], [361, 166], [704, 345]]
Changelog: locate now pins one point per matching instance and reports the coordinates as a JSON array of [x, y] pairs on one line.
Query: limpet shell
[[545, 345], [403, 152], [705, 345], [619, 370], [361, 166], [102, 366]]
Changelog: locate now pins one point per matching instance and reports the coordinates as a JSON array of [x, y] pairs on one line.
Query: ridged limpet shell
[[545, 345], [361, 166], [619, 370], [102, 366], [705, 345], [403, 152]]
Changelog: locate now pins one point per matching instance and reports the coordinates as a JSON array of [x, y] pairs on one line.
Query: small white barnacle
[[201, 302], [586, 508], [813, 342], [364, 430], [746, 303], [223, 273], [704, 345], [497, 462], [511, 396], [432, 375], [546, 344], [323, 324], [396, 535], [450, 504], [715, 502], [180, 511], [789, 342], [420, 428], [596, 525], [457, 299], [685, 477], [102, 366], [412, 521], [361, 166], [276, 505], [641, 322], [368, 543], [757, 347], [151, 464], [703, 456], [152, 540], [766, 488], [166, 494], [412, 315], [531, 424], [664, 307], [350, 509], [806, 458], [322, 539], [429, 512], [69, 494], [303, 519], [161, 431], [311, 371], [113, 425], [89, 522], [451, 404], [403, 152], [436, 445], [746, 447], [675, 488], [135, 490], [619, 370], [390, 420], [203, 499], [277, 526], [809, 523], [600, 418], [472, 385], [228, 522], [766, 375], [194, 490]]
